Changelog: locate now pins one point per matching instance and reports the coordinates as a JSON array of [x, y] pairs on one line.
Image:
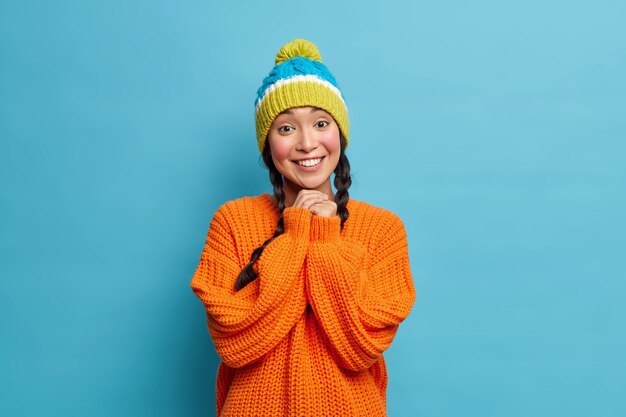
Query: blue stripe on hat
[[295, 66]]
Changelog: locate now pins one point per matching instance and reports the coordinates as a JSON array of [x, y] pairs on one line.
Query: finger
[[325, 208], [308, 192], [309, 201], [307, 197]]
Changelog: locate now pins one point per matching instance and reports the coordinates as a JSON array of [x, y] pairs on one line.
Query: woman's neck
[[291, 192]]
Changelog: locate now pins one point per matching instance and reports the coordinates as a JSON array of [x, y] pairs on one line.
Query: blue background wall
[[494, 129]]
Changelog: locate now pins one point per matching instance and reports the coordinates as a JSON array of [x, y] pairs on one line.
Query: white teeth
[[309, 162]]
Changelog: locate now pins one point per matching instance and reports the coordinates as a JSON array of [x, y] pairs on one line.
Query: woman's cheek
[[280, 151], [282, 156], [330, 139]]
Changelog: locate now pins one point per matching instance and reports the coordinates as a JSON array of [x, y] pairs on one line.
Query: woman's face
[[305, 147]]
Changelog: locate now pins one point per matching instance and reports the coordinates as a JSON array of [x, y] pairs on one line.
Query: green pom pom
[[298, 47]]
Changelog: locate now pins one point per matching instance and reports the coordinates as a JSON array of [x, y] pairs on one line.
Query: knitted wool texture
[[306, 338], [298, 79]]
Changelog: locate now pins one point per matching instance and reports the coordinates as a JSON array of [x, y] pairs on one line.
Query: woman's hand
[[317, 202], [327, 208], [307, 198]]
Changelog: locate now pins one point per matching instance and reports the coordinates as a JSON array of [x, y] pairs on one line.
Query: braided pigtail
[[247, 274], [342, 183]]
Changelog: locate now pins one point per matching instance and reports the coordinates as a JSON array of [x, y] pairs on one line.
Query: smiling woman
[[306, 288], [305, 148]]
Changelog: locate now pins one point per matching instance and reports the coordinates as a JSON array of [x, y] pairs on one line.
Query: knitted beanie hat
[[298, 79]]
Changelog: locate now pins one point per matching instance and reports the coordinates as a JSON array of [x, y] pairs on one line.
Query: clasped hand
[[317, 202]]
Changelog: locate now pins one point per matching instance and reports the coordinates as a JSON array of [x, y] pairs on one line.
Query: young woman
[[303, 289]]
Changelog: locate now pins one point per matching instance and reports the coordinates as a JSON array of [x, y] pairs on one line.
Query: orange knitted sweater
[[306, 338]]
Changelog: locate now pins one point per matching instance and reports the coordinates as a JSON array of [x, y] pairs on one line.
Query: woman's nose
[[308, 140]]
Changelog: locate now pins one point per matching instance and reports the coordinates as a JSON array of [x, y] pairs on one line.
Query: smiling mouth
[[309, 162]]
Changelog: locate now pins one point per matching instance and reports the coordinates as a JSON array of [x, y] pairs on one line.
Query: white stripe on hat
[[299, 78]]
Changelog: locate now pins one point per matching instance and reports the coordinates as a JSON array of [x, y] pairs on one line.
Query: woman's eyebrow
[[288, 111]]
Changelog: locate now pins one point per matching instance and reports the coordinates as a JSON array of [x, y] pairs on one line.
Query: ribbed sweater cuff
[[297, 221], [325, 228]]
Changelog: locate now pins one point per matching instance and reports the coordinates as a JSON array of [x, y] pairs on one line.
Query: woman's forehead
[[302, 109]]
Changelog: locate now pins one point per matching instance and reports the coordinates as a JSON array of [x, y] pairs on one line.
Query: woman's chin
[[308, 185], [311, 185]]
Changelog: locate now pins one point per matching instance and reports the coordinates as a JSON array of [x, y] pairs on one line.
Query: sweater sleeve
[[359, 297], [247, 324]]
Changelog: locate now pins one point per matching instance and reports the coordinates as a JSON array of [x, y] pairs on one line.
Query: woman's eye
[[322, 121], [281, 129]]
